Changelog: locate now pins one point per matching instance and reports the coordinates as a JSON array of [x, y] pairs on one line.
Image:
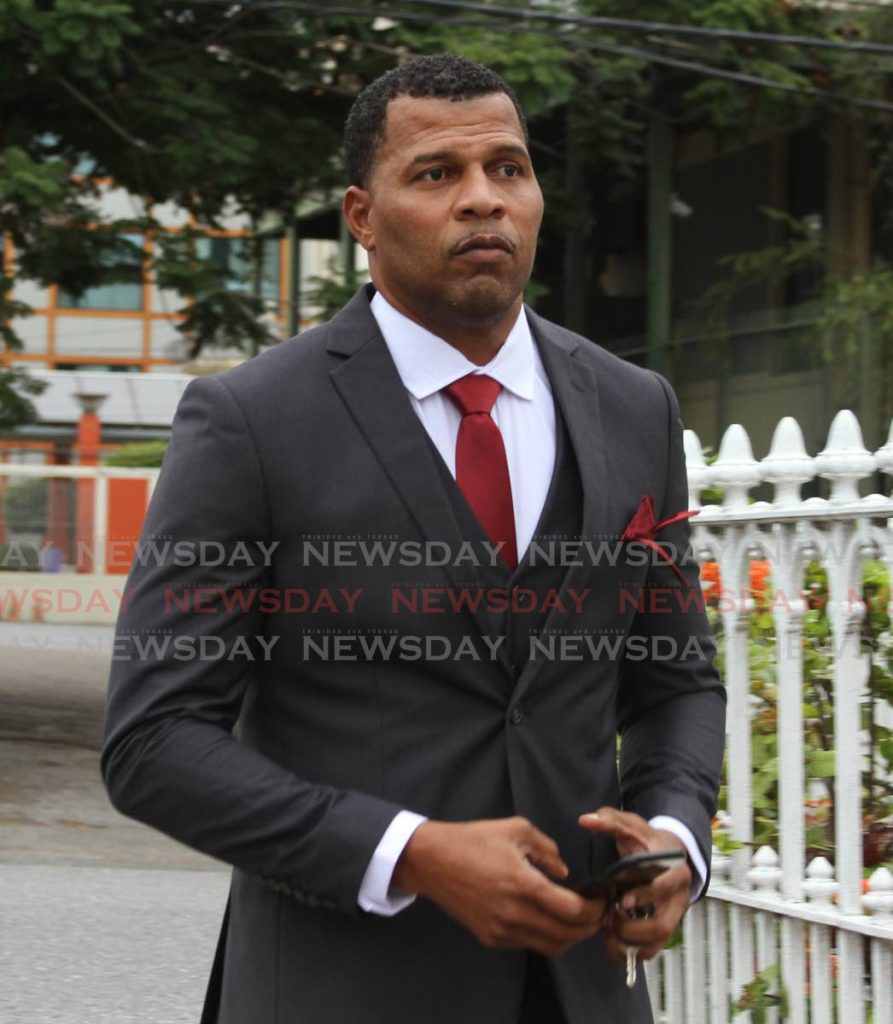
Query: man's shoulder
[[294, 369], [623, 377], [294, 358]]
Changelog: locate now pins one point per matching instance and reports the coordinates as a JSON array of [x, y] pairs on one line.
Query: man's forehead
[[414, 120]]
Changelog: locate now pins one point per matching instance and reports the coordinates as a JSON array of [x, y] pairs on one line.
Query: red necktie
[[482, 471]]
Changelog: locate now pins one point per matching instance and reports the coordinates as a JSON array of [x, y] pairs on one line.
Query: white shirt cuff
[[699, 869], [376, 894]]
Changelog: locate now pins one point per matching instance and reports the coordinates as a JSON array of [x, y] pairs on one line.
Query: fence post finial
[[845, 460], [735, 470], [819, 885], [879, 898], [787, 465], [765, 873]]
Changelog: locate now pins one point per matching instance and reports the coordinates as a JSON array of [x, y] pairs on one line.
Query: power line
[[696, 67], [662, 27], [100, 113], [576, 20], [740, 76]]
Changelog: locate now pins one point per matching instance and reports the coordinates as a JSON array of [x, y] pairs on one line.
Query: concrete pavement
[[89, 945], [101, 919]]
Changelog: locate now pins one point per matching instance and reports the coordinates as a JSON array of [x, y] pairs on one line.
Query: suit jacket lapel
[[370, 386], [575, 390]]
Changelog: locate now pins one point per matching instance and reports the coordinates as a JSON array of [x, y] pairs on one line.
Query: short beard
[[482, 301]]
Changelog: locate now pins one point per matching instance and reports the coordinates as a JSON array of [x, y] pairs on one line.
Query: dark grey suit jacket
[[316, 441]]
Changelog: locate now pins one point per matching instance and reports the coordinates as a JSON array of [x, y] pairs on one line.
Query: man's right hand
[[491, 876]]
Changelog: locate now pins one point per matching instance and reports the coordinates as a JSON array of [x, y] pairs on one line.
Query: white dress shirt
[[524, 410], [525, 414]]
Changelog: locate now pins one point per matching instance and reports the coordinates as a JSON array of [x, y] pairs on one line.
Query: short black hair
[[438, 76]]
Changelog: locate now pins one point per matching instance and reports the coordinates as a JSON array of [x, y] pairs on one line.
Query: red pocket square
[[643, 528]]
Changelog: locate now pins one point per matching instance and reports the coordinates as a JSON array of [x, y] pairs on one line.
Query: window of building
[[235, 255], [119, 295]]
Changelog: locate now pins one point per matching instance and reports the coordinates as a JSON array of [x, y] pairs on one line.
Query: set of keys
[[632, 953], [631, 872]]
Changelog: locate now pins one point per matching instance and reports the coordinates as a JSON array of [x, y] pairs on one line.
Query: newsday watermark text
[[377, 551], [353, 647], [16, 601]]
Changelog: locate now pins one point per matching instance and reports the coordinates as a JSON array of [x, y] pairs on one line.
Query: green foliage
[[25, 505], [543, 72], [143, 453], [15, 406], [201, 105], [228, 319], [90, 36], [330, 292], [77, 258], [32, 185], [761, 995], [721, 840]]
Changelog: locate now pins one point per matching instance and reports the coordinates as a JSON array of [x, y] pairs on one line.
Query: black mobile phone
[[628, 872]]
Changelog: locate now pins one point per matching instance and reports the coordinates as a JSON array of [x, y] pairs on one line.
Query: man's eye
[[435, 174], [509, 170]]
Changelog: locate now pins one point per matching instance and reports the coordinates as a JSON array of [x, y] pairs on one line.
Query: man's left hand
[[669, 893]]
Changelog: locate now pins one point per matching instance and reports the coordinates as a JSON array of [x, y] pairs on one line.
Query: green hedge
[[146, 453]]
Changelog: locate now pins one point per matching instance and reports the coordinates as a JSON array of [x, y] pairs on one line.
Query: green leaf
[[821, 764], [73, 31]]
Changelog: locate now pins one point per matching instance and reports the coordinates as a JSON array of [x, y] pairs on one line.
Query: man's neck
[[477, 341], [478, 347]]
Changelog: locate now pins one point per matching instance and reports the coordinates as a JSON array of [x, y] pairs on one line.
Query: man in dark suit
[[419, 610]]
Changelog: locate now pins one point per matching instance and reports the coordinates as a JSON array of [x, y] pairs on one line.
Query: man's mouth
[[484, 247]]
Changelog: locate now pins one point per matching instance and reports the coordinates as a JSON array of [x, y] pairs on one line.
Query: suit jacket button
[[516, 717]]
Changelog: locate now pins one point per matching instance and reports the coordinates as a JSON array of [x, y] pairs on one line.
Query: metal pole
[[574, 244], [258, 284], [660, 176], [293, 311]]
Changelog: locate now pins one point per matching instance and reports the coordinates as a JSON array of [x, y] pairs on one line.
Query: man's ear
[[357, 205]]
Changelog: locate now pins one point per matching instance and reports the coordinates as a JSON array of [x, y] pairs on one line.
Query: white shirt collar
[[427, 363]]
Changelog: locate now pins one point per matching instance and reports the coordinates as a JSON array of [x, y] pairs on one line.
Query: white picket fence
[[830, 940]]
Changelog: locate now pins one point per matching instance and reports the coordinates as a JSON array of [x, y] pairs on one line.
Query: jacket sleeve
[[169, 755], [671, 706]]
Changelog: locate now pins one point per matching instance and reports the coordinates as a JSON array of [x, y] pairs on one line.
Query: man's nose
[[480, 195]]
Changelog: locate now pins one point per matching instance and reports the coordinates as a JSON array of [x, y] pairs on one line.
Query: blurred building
[[633, 271], [121, 340]]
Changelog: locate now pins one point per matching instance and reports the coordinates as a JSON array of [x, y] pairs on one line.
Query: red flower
[[760, 575], [710, 580], [759, 580]]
